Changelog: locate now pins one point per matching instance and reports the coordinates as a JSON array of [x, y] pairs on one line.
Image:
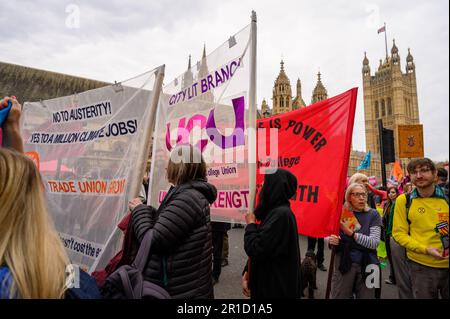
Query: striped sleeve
[[370, 241]]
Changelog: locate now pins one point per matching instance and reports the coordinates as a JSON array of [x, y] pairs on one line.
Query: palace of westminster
[[389, 94]]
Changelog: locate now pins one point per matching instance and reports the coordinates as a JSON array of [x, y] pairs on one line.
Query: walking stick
[[330, 272]]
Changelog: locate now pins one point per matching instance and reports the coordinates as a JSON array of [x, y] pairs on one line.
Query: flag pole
[[252, 117], [385, 40], [330, 272], [147, 135]]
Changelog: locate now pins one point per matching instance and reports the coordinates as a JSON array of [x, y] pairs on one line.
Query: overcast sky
[[115, 40]]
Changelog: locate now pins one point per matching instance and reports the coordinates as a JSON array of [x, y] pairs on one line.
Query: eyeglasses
[[421, 171], [363, 195]]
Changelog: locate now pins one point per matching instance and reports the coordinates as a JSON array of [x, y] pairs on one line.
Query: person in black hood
[[272, 246], [181, 246]]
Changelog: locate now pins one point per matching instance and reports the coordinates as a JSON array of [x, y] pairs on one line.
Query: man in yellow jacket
[[423, 230]]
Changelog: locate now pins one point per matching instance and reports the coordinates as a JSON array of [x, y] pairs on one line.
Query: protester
[[408, 188], [320, 251], [181, 247], [32, 257], [11, 129], [219, 230], [399, 261], [442, 175], [420, 225], [371, 191], [272, 246], [226, 247], [388, 215], [355, 249]]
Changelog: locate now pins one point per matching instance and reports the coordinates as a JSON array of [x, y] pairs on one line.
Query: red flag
[[314, 144], [382, 29]]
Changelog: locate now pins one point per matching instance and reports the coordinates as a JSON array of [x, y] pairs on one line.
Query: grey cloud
[[97, 18], [134, 36]]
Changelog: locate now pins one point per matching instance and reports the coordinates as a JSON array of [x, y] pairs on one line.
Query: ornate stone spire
[[394, 53], [265, 110], [410, 67], [366, 67], [319, 93], [282, 93], [202, 73], [188, 77], [298, 101]]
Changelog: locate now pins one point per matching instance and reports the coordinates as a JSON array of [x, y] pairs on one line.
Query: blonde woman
[[356, 249], [32, 256]]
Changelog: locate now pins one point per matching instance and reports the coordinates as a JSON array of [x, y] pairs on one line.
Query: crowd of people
[[188, 248]]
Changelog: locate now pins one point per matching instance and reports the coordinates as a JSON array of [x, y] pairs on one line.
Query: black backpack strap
[[126, 284], [409, 202], [446, 198], [408, 206], [144, 251]]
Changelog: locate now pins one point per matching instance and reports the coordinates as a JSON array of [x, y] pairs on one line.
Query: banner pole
[[330, 272], [136, 182], [252, 117]]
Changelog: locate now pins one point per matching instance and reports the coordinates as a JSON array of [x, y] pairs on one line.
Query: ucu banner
[[236, 138], [210, 106]]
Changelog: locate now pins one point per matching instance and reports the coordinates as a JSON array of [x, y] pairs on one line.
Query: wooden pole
[[330, 272]]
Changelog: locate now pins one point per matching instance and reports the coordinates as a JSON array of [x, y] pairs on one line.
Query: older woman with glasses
[[372, 191], [356, 250]]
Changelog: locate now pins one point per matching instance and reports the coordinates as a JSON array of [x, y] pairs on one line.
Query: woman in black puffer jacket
[[181, 247]]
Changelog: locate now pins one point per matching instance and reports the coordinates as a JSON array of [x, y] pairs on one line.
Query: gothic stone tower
[[320, 92], [282, 93], [389, 95]]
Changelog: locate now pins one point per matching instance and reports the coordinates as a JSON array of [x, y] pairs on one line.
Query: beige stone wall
[[29, 84], [389, 86]]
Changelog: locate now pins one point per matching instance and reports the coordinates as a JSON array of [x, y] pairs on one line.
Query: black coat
[[273, 246], [181, 248]]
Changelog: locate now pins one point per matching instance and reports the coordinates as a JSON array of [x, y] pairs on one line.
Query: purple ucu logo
[[236, 138]]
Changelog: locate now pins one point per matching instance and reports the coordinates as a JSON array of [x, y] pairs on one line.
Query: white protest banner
[[87, 147], [211, 106]]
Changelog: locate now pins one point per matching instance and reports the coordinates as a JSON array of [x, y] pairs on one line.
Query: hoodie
[[272, 246]]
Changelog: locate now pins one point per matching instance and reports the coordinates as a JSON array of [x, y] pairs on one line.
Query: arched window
[[383, 108], [389, 106], [377, 111]]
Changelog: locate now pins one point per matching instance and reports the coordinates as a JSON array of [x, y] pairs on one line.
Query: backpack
[[127, 282], [88, 288]]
